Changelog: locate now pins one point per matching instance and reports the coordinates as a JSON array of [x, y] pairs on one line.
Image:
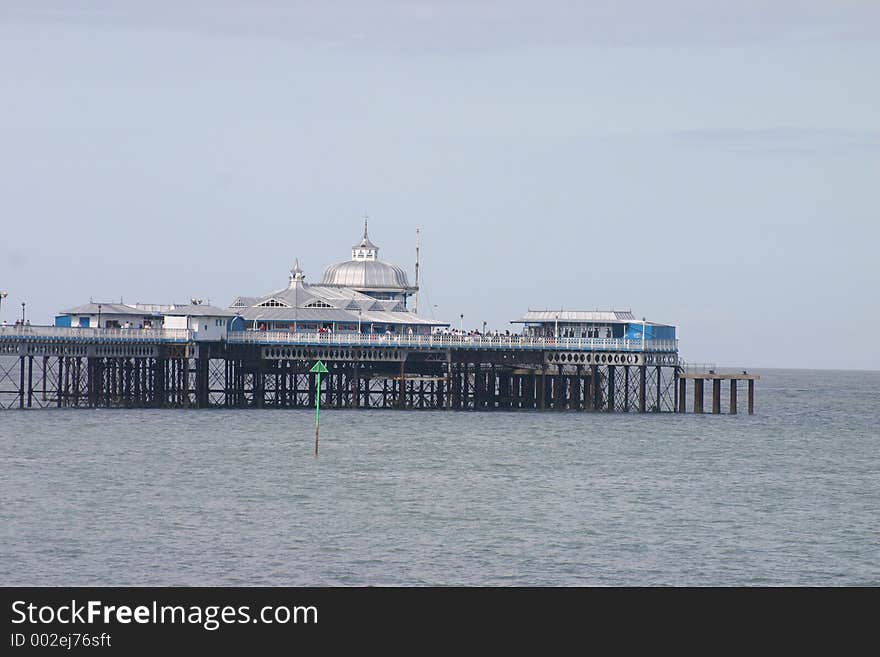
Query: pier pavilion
[[336, 308]]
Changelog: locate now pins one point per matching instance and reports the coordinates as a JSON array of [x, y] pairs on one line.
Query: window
[[272, 303], [317, 303]]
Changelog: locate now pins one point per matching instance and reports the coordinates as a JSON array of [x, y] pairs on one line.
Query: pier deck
[[89, 367]]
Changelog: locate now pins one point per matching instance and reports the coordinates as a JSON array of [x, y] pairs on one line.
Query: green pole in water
[[318, 368]]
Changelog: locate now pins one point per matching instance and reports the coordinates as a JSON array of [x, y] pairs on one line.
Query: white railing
[[698, 367], [97, 334], [344, 339], [461, 341]]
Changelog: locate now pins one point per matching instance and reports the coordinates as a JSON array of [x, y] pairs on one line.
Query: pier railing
[[130, 335], [698, 367], [456, 341], [134, 335]]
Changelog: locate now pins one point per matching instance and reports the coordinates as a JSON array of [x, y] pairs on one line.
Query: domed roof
[[366, 274], [365, 271]]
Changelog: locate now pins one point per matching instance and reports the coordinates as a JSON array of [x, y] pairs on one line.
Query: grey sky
[[714, 167]]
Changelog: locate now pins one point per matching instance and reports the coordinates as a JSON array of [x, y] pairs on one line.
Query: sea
[[789, 496]]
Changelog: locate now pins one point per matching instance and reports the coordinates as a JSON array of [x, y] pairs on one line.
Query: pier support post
[[682, 395], [698, 395], [659, 406], [595, 388], [643, 388], [558, 389], [611, 395], [356, 385], [542, 392], [260, 385], [160, 367], [30, 396], [202, 396], [21, 382], [401, 400], [716, 396], [751, 396], [91, 383], [733, 396]]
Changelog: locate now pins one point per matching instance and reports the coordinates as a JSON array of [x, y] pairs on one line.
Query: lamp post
[[359, 321], [484, 328], [556, 330], [22, 313], [461, 323], [3, 295], [99, 315]]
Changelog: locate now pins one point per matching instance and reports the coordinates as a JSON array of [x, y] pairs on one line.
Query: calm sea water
[[155, 497]]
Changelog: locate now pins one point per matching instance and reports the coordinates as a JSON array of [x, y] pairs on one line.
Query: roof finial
[[296, 274], [366, 216]]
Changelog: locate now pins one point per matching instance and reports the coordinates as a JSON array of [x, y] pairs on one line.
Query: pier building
[[258, 353], [374, 303], [592, 324], [205, 322]]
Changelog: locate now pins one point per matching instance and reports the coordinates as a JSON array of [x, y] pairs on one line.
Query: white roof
[[609, 316]]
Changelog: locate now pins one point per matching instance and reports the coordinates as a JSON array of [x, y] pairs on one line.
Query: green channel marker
[[318, 368]]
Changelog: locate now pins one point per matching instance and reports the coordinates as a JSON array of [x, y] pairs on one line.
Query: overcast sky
[[711, 165]]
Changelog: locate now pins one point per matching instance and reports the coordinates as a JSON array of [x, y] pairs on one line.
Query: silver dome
[[366, 275]]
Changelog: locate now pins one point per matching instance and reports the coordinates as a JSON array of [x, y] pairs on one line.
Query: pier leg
[[159, 387], [595, 388], [682, 395], [626, 388], [401, 399], [260, 386], [751, 396], [30, 396], [542, 392], [559, 389], [611, 383], [356, 385], [716, 396], [698, 395], [21, 382], [478, 386], [733, 396], [202, 396], [643, 388], [659, 405]]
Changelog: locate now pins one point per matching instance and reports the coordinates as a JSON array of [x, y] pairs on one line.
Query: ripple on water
[[151, 497]]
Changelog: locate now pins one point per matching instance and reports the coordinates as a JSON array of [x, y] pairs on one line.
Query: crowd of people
[[474, 333]]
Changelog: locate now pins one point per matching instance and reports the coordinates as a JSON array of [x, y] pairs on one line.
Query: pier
[[44, 367], [379, 353]]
